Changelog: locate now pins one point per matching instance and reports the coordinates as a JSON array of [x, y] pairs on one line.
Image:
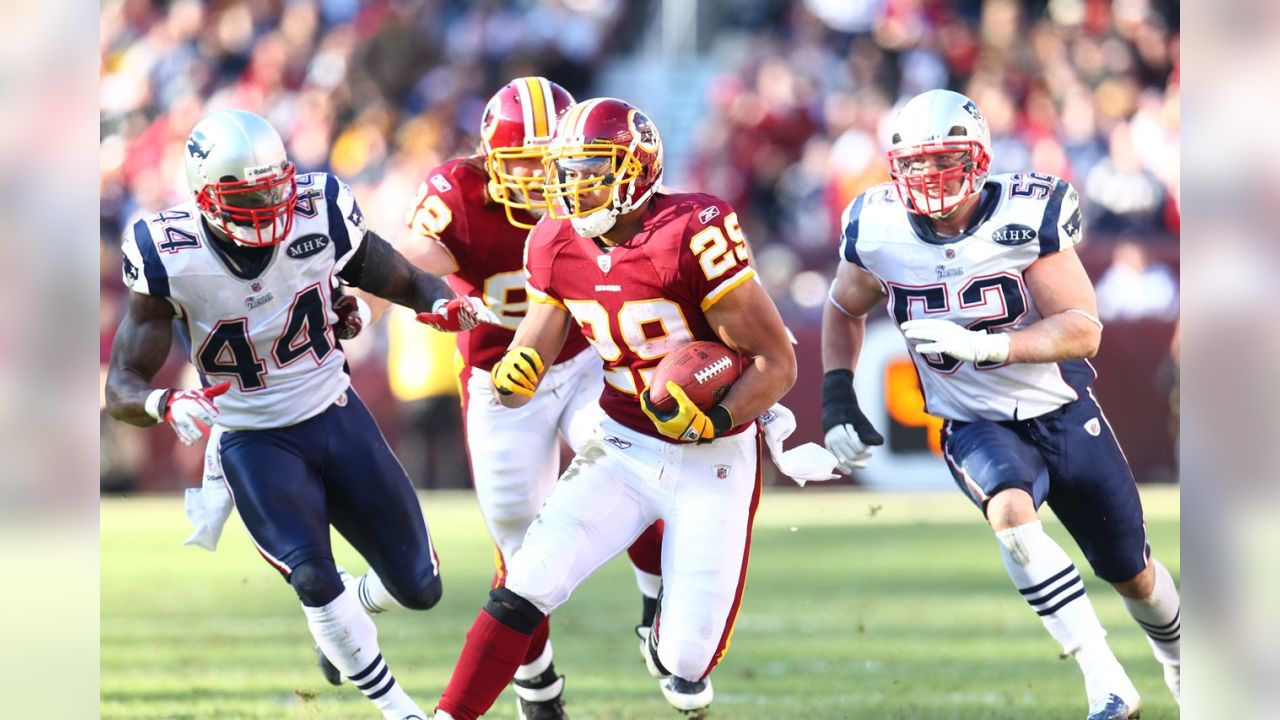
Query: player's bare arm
[[748, 321], [1070, 327], [847, 432], [854, 293], [140, 348], [539, 338]]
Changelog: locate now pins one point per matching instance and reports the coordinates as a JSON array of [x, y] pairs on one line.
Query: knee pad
[[422, 596], [513, 611], [316, 582]]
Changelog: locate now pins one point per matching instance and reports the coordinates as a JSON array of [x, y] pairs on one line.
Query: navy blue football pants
[[1068, 458], [290, 484]]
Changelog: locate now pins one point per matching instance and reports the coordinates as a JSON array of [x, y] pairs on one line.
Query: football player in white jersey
[[248, 267], [980, 275]]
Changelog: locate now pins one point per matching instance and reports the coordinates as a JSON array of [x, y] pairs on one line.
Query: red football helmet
[[518, 123], [601, 144]]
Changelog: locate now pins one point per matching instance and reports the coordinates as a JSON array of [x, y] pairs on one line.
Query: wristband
[[721, 419], [156, 402]]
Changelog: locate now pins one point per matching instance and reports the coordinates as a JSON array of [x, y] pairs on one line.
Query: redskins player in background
[[642, 273], [470, 221]]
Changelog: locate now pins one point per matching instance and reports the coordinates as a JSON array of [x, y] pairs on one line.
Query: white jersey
[[974, 280], [271, 335]]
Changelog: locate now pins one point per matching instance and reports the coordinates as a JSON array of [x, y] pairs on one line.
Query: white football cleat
[[687, 696]]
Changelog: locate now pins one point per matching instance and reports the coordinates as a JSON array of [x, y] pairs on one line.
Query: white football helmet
[[243, 183], [940, 152]]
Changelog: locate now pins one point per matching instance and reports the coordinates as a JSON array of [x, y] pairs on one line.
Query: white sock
[[1051, 585], [1160, 617], [349, 639], [373, 595], [648, 583], [537, 667]]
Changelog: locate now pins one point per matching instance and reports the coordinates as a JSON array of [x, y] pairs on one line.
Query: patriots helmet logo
[[198, 146], [972, 108]]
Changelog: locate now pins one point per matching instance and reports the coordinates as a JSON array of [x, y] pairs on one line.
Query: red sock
[[488, 662], [538, 643], [646, 551]]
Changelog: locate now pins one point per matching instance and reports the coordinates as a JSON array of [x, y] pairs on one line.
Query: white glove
[[458, 314], [805, 463], [188, 412], [844, 443], [948, 338], [209, 506]]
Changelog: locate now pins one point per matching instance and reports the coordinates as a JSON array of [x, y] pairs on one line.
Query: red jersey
[[453, 209], [645, 297]]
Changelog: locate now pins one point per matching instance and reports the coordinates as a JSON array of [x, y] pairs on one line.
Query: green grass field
[[859, 605]]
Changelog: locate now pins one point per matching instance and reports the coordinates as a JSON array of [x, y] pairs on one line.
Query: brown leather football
[[704, 369]]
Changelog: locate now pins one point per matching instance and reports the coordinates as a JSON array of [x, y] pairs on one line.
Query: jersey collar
[[986, 207]]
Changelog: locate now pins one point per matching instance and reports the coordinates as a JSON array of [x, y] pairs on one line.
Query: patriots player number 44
[[249, 267]]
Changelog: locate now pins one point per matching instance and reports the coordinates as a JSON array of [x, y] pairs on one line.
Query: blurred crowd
[[1087, 90], [380, 91]]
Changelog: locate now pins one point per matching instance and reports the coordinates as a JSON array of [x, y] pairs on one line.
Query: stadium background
[[864, 604], [777, 107]]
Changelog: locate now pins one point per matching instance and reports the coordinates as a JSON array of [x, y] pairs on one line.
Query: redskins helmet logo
[[490, 122], [646, 135]]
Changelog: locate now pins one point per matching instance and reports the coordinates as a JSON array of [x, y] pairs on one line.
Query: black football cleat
[[331, 673], [542, 697]]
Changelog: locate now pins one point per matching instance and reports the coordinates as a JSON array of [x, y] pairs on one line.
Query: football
[[704, 369]]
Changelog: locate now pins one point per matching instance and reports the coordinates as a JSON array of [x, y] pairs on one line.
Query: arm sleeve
[[438, 212], [849, 220], [143, 271], [715, 255], [346, 222], [1062, 226], [537, 268]]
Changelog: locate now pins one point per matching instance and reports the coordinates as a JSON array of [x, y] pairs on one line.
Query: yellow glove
[[687, 423], [518, 372]]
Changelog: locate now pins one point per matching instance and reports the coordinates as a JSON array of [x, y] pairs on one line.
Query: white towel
[[805, 463], [209, 506]]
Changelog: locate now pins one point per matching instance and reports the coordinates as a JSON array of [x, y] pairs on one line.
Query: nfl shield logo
[[950, 253], [605, 262], [257, 286], [1093, 427], [722, 471]]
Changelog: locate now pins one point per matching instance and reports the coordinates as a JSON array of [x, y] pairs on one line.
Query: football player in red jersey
[[641, 273], [469, 223]]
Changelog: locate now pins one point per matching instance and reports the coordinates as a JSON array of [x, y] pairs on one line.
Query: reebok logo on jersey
[[440, 183], [1014, 234], [307, 245], [256, 301], [708, 214], [617, 442]]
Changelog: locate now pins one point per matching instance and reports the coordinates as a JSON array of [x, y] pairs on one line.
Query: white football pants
[[620, 483], [515, 452]]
